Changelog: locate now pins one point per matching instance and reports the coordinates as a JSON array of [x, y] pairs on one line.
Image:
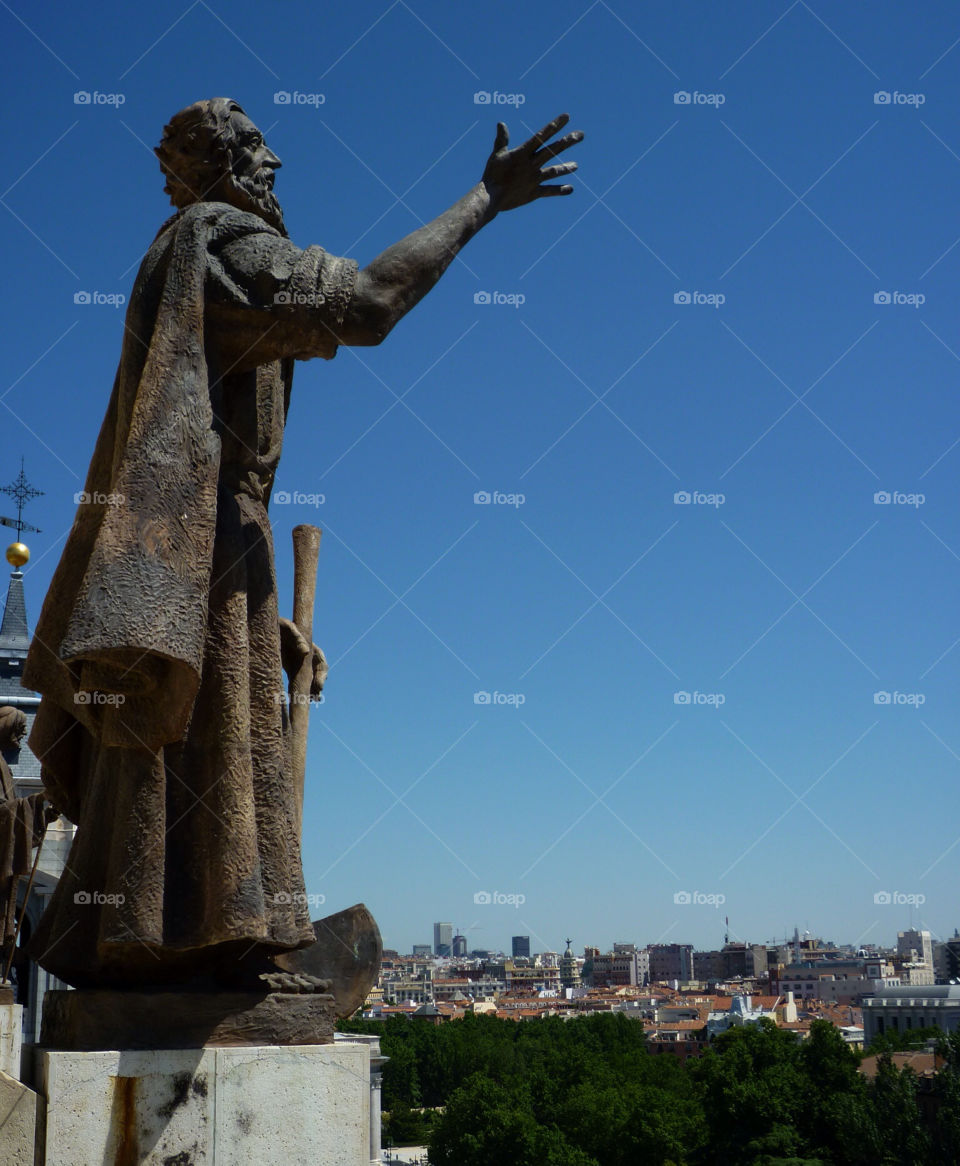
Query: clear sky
[[780, 201]]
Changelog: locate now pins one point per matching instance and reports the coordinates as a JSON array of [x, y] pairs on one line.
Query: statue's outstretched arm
[[403, 274]]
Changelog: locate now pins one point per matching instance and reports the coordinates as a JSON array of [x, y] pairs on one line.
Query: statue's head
[[13, 725], [212, 152]]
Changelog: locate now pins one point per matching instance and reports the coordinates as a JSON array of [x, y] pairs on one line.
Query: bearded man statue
[[159, 651]]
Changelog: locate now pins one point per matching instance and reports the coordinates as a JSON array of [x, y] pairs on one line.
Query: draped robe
[[162, 729]]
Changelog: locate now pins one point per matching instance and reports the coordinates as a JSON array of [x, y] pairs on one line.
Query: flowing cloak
[[162, 729]]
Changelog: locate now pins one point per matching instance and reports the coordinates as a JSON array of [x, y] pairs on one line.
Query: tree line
[[482, 1091]]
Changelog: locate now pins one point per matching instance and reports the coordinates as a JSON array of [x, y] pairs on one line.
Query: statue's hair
[[195, 150], [11, 719]]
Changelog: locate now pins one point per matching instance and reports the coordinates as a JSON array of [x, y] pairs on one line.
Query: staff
[[306, 552]]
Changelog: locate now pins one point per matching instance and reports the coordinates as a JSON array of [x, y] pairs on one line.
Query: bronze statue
[[159, 650], [22, 825]]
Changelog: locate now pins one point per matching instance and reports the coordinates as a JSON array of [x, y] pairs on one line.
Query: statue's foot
[[294, 982]]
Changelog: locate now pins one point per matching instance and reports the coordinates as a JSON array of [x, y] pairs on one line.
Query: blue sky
[[783, 198]]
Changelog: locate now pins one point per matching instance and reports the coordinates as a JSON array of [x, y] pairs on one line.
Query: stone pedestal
[[11, 1035], [18, 1122], [92, 1019], [300, 1105]]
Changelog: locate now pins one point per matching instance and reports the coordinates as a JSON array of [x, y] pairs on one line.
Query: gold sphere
[[18, 554]]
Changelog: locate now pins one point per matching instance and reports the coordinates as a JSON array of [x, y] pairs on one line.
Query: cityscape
[[684, 996]]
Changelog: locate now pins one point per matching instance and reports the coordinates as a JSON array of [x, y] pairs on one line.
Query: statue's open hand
[[293, 649], [516, 177]]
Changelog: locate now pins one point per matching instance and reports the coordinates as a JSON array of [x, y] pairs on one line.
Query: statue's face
[[250, 157]]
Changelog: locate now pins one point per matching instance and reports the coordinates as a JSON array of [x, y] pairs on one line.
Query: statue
[[159, 652], [22, 825]]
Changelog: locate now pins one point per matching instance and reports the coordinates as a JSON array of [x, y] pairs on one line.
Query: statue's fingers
[[547, 132], [549, 172], [550, 191], [502, 139], [557, 147]]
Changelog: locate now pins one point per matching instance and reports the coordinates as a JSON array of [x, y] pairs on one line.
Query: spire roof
[[14, 633]]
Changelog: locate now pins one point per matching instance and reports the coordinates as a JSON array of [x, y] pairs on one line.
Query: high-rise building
[[520, 947], [919, 942], [459, 946], [442, 939], [671, 961]]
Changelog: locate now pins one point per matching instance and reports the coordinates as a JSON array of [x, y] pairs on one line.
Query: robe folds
[[162, 729]]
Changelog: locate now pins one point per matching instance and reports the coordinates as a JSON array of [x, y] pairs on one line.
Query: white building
[[902, 1009]]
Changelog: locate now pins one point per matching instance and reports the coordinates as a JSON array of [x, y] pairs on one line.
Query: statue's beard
[[252, 193]]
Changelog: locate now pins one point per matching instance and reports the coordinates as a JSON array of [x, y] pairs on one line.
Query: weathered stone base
[[18, 1122], [90, 1019], [293, 1106]]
